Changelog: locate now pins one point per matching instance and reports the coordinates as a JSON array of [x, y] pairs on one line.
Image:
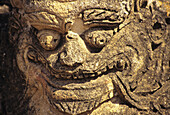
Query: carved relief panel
[[81, 56]]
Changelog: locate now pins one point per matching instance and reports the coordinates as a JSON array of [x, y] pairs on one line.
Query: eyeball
[[48, 39], [98, 38]]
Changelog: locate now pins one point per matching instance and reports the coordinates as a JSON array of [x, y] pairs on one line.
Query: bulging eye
[[48, 39], [98, 38]]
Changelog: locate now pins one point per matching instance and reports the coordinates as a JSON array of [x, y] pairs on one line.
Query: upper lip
[[55, 83], [81, 74]]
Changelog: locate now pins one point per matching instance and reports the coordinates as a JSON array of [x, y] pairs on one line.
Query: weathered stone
[[95, 57]]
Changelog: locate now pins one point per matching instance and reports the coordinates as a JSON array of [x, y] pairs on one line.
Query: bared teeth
[[68, 76], [110, 65], [65, 76], [62, 76], [75, 76], [103, 70], [93, 75], [99, 72], [86, 73], [81, 76], [57, 76]]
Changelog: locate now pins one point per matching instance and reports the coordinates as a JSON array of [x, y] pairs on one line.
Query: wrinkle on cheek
[[35, 78]]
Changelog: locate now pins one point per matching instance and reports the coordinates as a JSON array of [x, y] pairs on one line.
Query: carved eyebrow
[[44, 19], [101, 16]]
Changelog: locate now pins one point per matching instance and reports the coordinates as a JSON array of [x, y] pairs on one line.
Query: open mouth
[[77, 95], [81, 79], [80, 90], [84, 96]]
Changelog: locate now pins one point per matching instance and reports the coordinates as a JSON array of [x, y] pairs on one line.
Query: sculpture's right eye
[[49, 39]]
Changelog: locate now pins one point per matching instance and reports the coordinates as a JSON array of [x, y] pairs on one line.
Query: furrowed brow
[[101, 16], [44, 19]]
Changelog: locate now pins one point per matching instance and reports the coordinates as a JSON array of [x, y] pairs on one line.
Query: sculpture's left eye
[[98, 38], [48, 39]]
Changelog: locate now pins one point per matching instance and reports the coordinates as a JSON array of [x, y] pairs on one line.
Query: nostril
[[69, 37]]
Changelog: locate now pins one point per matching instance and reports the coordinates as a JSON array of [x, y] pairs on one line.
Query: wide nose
[[74, 51]]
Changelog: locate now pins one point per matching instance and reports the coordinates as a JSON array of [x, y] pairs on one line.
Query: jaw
[[76, 97], [72, 96]]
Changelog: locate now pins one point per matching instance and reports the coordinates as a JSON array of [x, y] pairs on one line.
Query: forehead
[[66, 7], [56, 13]]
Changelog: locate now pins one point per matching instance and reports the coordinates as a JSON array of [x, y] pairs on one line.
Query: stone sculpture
[[87, 57]]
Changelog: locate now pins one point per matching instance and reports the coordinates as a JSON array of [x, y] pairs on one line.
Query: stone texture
[[88, 57]]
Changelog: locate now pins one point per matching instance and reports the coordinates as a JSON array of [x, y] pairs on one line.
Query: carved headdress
[[19, 3]]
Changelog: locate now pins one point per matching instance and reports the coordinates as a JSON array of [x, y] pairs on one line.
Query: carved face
[[76, 53]]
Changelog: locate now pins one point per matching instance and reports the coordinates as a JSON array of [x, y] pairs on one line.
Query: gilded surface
[[90, 57]]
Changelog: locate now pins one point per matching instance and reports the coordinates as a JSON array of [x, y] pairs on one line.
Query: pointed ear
[[16, 3]]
